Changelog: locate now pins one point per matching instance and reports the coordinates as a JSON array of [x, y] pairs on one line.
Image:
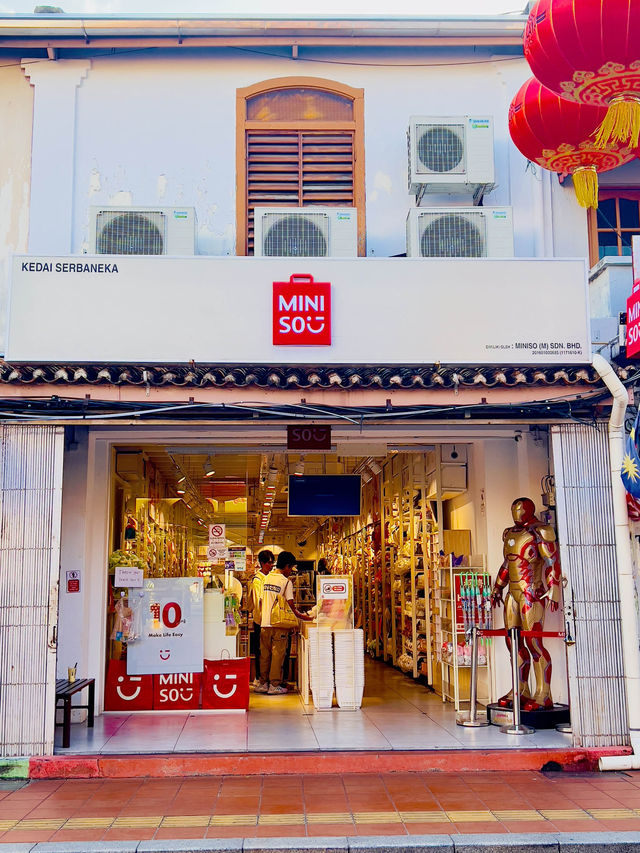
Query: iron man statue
[[531, 568]]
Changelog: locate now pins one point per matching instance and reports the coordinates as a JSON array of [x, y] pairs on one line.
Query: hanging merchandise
[[231, 614], [587, 52], [123, 622], [557, 135]]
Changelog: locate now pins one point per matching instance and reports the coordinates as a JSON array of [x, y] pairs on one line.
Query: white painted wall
[[16, 102], [156, 129], [72, 644]]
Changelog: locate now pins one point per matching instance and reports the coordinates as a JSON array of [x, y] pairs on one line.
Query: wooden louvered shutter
[[291, 168]]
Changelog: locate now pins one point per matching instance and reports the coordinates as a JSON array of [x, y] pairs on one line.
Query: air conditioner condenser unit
[[302, 232], [142, 231], [460, 232], [450, 154]]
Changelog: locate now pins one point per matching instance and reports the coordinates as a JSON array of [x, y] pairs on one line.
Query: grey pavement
[[547, 842]]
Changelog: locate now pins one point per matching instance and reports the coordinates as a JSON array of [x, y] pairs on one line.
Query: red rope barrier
[[502, 632]]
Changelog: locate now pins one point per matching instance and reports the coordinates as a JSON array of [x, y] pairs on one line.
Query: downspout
[[628, 620]]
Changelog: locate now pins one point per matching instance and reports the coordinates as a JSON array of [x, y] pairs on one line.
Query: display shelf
[[464, 601]]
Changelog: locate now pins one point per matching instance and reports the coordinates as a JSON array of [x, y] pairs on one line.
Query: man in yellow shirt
[[266, 561], [274, 638]]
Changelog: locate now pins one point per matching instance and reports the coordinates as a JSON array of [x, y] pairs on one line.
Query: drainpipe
[[628, 620]]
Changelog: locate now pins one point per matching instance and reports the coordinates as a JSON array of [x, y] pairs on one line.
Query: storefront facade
[[199, 353]]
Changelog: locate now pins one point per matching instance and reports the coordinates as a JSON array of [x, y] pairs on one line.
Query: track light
[[180, 490], [209, 471], [377, 469]]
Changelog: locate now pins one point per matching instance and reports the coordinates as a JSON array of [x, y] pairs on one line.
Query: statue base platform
[[545, 718]]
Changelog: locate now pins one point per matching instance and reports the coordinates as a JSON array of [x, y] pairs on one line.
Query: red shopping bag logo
[[301, 312], [127, 692], [176, 691], [226, 684]]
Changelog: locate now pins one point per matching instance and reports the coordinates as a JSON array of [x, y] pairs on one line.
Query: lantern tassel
[[585, 183], [621, 123]]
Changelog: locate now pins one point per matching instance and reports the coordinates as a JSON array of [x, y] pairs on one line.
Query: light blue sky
[[326, 7]]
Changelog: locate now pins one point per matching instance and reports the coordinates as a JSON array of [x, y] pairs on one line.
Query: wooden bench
[[64, 691]]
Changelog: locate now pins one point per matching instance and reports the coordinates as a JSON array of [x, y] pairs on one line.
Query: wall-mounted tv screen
[[324, 494]]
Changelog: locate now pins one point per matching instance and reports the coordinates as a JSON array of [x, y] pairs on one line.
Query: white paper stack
[[321, 668], [349, 667]]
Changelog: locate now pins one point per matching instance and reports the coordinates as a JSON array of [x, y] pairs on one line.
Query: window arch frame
[[356, 126]]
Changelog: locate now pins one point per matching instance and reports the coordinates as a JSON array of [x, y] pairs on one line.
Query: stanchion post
[[473, 719], [516, 728]]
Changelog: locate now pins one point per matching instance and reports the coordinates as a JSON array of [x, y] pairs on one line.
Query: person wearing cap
[[266, 562], [274, 638]]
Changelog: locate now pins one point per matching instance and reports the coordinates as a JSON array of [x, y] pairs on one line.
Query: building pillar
[[31, 459], [52, 152], [591, 598]]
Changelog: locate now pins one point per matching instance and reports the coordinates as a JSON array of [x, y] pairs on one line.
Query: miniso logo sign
[[301, 312]]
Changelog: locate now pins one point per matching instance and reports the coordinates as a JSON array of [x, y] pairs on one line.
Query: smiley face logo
[[165, 654], [219, 693], [132, 696]]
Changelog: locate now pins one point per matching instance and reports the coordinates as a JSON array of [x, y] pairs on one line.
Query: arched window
[[299, 143]]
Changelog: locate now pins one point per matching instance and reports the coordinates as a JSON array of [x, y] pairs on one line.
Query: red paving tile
[[77, 835], [379, 829], [578, 825], [231, 832], [332, 829], [444, 828], [169, 833], [125, 833], [620, 825], [526, 826], [465, 827], [285, 831], [274, 795], [20, 836]]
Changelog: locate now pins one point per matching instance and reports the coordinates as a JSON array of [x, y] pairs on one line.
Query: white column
[[52, 152]]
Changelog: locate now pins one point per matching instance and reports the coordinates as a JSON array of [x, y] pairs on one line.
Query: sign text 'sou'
[[301, 312], [633, 304]]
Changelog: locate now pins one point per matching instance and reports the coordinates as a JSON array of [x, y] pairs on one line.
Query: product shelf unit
[[409, 531], [463, 597]]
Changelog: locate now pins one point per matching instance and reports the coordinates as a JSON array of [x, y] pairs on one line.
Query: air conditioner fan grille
[[295, 235], [129, 233], [440, 148], [452, 235]]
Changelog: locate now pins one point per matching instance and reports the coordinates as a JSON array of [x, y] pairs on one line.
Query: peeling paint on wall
[[94, 182], [123, 197]]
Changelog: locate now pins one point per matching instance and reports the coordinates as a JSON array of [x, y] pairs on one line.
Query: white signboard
[[334, 587], [383, 310], [168, 612], [217, 549], [128, 576]]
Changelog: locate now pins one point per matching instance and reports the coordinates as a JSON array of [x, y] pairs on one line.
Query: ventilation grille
[[130, 233], [440, 149], [298, 169], [453, 235], [295, 235]]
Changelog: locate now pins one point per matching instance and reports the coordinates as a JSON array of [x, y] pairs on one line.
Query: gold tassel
[[585, 183], [621, 123]]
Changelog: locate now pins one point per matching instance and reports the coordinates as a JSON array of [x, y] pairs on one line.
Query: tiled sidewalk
[[357, 804]]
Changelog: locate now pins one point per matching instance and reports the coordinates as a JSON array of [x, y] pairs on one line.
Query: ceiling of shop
[[239, 473]]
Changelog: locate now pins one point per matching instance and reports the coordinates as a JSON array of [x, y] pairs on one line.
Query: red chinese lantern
[[556, 134], [589, 51]]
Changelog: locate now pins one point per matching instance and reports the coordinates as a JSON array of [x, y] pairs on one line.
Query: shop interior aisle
[[397, 713]]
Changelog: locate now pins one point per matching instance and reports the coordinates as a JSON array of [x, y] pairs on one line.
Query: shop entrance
[[410, 541]]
